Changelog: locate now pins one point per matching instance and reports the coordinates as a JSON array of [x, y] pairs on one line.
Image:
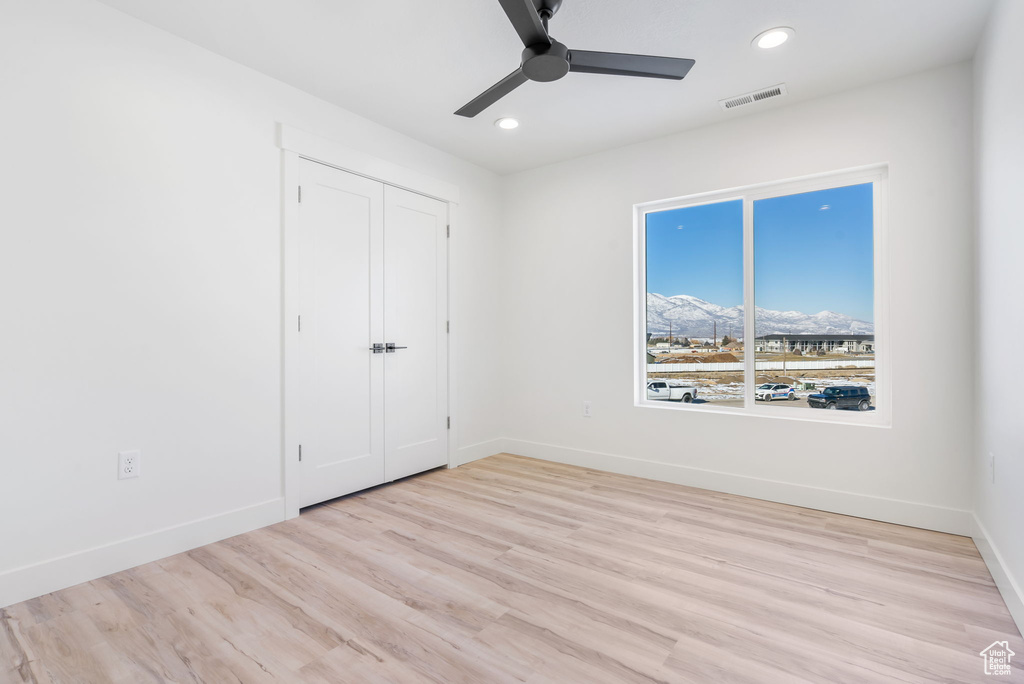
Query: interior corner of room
[[194, 349]]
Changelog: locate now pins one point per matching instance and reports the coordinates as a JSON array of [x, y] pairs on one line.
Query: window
[[766, 300]]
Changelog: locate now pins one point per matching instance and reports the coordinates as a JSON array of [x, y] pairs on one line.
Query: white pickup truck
[[659, 389]]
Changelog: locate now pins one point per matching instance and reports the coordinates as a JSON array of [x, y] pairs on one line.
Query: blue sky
[[697, 251], [813, 251]]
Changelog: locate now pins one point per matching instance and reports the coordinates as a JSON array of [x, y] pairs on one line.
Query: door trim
[[328, 152], [296, 145]]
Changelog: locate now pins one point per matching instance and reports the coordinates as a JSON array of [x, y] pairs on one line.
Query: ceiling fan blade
[[526, 21], [493, 94], [619, 64]]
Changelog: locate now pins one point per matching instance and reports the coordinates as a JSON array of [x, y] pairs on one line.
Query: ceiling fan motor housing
[[546, 62]]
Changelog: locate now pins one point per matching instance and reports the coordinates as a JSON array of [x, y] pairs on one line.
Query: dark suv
[[841, 397]]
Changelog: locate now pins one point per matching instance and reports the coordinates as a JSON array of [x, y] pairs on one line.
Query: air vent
[[751, 98]]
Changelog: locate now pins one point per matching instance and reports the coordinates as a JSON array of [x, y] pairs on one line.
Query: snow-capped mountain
[[693, 317]]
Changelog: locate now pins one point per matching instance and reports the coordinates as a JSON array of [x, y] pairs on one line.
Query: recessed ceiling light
[[507, 123], [773, 38]]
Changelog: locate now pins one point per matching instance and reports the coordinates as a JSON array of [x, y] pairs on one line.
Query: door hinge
[[448, 232], [300, 323], [447, 326], [300, 453], [300, 194], [449, 422]]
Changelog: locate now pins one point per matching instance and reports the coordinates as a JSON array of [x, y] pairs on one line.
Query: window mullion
[[750, 373]]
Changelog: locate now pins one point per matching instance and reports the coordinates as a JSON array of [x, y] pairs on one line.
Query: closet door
[[341, 381], [415, 321]]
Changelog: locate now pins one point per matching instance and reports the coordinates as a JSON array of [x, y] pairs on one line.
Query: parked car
[[770, 391], [659, 389], [841, 397]]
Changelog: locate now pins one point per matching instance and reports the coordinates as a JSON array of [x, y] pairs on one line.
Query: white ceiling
[[408, 64]]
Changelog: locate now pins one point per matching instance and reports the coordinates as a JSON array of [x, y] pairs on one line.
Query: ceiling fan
[[545, 59]]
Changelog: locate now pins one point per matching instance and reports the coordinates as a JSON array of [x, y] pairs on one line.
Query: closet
[[371, 402]]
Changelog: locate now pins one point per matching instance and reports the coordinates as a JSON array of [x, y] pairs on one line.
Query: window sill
[[872, 419]]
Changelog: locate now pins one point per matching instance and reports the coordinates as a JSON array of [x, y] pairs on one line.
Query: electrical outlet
[[128, 463], [586, 409]]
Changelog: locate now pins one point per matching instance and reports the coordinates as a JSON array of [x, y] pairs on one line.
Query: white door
[[415, 321], [340, 416], [372, 270]]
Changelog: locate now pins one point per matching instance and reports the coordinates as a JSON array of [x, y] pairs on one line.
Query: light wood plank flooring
[[515, 570]]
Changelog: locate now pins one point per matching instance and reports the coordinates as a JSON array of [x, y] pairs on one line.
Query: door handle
[[377, 348], [390, 348]]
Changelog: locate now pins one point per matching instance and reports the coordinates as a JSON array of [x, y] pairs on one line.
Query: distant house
[[836, 344]]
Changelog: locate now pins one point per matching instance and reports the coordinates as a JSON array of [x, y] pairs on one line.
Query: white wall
[[568, 268], [140, 282], [999, 75]]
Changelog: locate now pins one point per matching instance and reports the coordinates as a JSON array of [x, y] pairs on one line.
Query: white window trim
[[877, 174]]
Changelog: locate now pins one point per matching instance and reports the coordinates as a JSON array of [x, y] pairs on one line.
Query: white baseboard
[[847, 503], [474, 452], [30, 581], [1008, 586]]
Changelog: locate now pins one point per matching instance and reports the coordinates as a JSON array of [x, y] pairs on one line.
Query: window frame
[[877, 175]]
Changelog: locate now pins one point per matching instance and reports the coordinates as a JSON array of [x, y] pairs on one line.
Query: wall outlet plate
[[586, 409], [128, 463]]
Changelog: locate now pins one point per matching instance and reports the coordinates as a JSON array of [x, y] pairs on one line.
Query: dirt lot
[[726, 388], [721, 357]]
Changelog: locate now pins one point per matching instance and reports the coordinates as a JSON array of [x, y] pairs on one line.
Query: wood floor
[[515, 570]]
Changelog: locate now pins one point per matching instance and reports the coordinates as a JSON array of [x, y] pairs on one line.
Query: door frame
[[296, 145]]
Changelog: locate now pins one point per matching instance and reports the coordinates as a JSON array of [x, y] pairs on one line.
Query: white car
[[659, 389], [771, 390]]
